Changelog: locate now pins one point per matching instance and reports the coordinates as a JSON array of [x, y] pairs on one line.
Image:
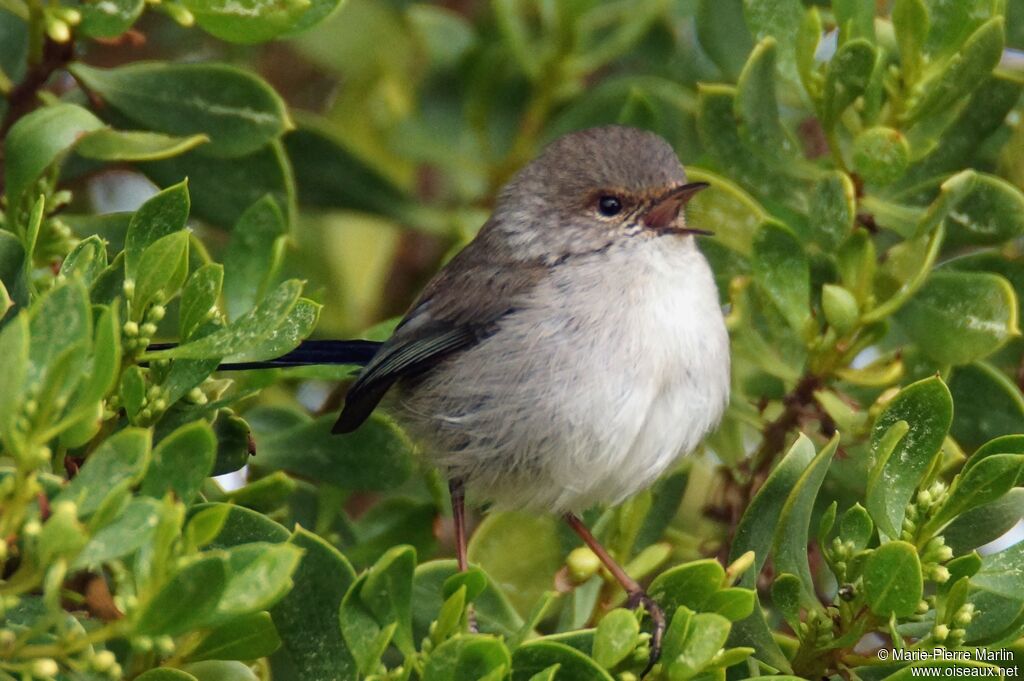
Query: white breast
[[611, 369]]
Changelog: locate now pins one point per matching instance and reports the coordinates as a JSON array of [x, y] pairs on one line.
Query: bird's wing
[[458, 309]]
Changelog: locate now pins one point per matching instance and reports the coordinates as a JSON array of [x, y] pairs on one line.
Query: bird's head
[[591, 189]]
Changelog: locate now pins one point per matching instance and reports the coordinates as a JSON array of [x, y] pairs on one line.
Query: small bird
[[571, 352]]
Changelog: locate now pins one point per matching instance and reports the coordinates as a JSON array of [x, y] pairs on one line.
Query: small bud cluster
[[840, 554], [58, 22], [153, 405], [816, 630], [921, 510], [934, 553], [138, 336]]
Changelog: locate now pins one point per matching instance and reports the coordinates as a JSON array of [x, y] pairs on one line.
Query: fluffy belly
[[587, 393]]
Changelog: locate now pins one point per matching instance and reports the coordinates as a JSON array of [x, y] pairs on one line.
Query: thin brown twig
[[22, 99]]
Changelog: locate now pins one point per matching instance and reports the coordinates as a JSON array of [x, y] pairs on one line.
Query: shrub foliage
[[866, 199]]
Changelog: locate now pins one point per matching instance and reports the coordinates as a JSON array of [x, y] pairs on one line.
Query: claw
[[638, 598]]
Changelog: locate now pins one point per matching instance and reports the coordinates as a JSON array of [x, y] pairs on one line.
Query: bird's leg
[[635, 593], [458, 495]]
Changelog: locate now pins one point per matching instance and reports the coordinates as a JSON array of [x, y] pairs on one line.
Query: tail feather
[[309, 353]]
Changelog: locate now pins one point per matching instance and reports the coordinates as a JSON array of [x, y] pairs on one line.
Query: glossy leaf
[[236, 110], [244, 638], [160, 216], [181, 461], [130, 145], [123, 457], [789, 548], [927, 410], [893, 583], [958, 317], [251, 21], [187, 601], [307, 618], [782, 271], [988, 404], [253, 255], [39, 139]]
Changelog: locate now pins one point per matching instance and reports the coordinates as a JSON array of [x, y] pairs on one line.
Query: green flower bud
[[148, 329], [841, 309], [103, 660], [156, 313], [131, 329], [881, 154], [128, 287], [583, 564], [940, 632], [940, 574], [44, 668]]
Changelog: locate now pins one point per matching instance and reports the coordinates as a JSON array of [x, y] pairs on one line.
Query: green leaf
[[723, 34], [757, 525], [782, 271], [520, 553], [307, 618], [246, 332], [468, 658], [986, 481], [690, 585], [108, 19], [234, 442], [993, 212], [998, 596], [847, 78], [162, 270], [988, 404], [927, 409], [58, 320], [133, 145], [253, 255], [780, 19], [331, 175], [238, 111], [160, 216], [187, 601], [725, 209], [716, 123], [881, 155], [248, 637], [377, 456], [199, 298], [130, 530], [732, 603], [787, 596], [224, 188], [494, 614], [958, 317], [14, 344], [757, 106], [248, 21], [616, 637], [87, 259], [181, 462], [36, 141], [705, 636], [910, 23], [221, 670], [259, 575], [856, 526], [537, 656], [962, 73], [834, 209], [789, 546], [893, 583], [473, 579], [122, 457], [985, 523]]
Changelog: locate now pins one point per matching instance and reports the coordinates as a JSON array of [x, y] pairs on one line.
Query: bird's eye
[[609, 206]]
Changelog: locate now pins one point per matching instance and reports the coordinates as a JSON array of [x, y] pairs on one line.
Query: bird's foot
[[657, 615]]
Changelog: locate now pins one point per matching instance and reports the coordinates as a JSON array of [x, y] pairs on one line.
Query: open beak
[[664, 212]]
